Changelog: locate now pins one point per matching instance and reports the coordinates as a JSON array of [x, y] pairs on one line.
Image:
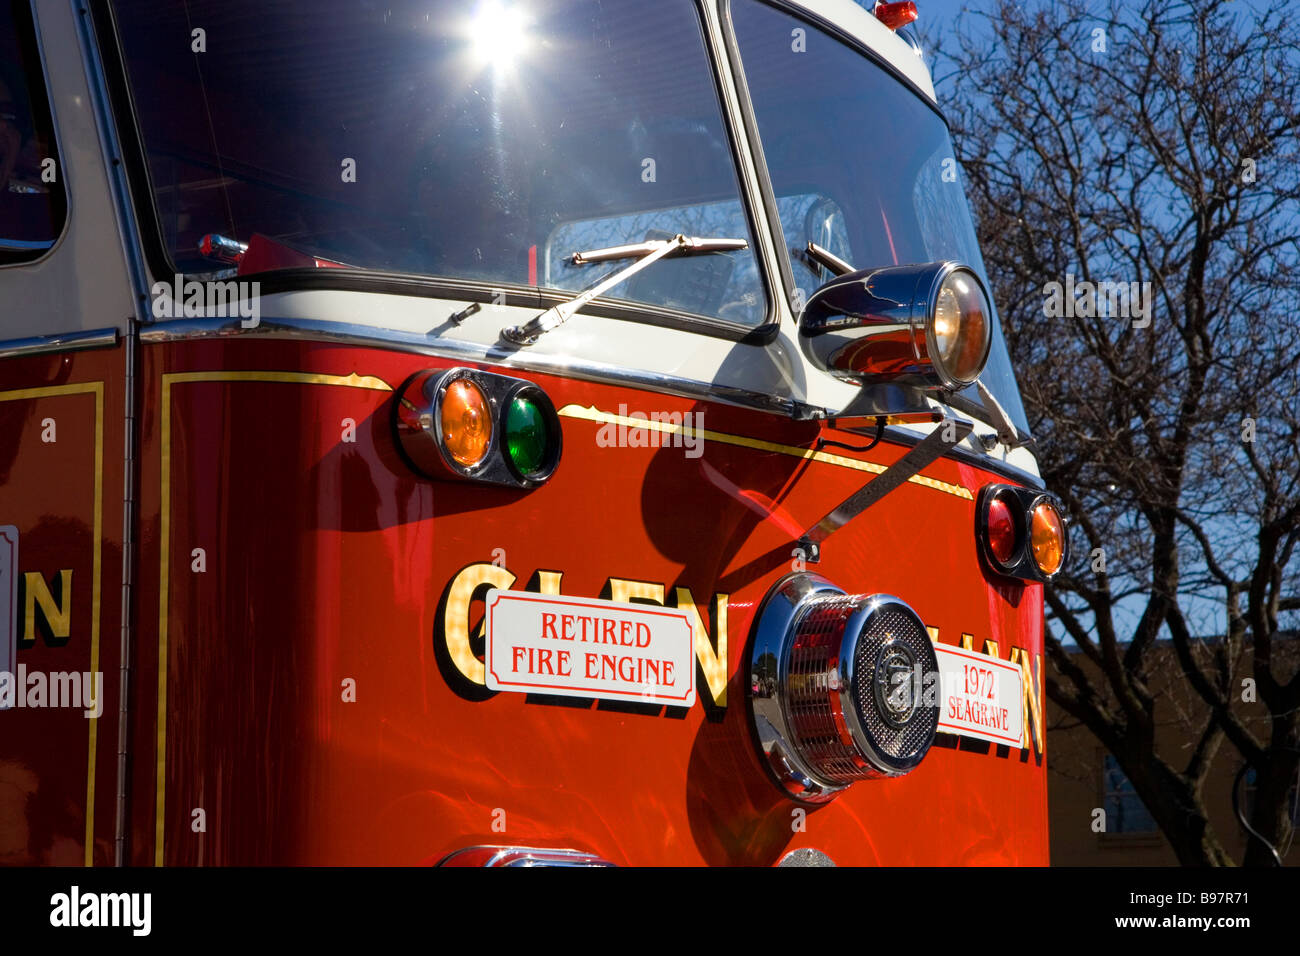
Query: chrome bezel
[[780, 612], [881, 764], [950, 381], [806, 856], [1015, 504], [779, 617]]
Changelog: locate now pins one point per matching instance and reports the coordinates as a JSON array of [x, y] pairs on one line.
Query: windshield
[[859, 164], [449, 139]]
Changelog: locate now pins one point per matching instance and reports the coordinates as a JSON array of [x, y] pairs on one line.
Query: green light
[[526, 436]]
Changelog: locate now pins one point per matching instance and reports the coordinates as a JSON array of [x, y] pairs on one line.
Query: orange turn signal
[[466, 422], [1047, 538]]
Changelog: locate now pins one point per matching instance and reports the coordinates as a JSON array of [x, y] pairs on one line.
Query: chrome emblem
[[896, 697]]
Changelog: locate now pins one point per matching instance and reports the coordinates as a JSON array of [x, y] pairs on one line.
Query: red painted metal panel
[[327, 560], [61, 487]]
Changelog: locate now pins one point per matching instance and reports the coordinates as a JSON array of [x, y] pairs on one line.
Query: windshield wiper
[[824, 257], [645, 253]]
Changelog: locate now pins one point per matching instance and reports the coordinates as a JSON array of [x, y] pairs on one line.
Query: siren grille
[[841, 687], [820, 733], [892, 629], [855, 688]]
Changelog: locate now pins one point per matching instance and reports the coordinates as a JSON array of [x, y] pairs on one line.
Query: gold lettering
[[1031, 703], [714, 664], [1032, 708], [456, 616], [624, 591], [57, 616], [548, 582]]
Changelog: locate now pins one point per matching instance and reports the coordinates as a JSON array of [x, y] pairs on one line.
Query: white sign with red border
[[584, 647], [982, 696]]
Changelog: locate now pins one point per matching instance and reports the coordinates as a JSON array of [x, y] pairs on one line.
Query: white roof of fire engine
[[863, 26]]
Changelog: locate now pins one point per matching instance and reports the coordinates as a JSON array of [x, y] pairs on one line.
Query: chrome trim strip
[[180, 330], [115, 169], [522, 856], [64, 342], [128, 236], [348, 333]]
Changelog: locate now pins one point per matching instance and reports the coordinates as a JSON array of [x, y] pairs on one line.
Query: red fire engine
[[521, 432]]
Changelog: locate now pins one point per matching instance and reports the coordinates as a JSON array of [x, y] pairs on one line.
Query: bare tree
[[1156, 144]]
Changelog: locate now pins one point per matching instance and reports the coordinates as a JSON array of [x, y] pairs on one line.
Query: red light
[[1002, 531], [895, 15]]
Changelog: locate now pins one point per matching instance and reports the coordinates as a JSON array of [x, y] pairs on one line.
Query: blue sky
[[939, 17]]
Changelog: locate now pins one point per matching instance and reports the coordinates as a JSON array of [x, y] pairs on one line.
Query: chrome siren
[[842, 687]]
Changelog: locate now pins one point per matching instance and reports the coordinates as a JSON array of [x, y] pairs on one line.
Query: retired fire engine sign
[[583, 647]]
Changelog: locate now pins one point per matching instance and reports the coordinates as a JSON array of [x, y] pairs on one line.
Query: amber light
[[466, 421], [1002, 531], [1047, 538]]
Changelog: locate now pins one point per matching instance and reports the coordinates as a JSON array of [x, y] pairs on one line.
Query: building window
[[1125, 812]]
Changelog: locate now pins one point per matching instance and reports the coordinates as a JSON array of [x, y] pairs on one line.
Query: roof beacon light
[[895, 15]]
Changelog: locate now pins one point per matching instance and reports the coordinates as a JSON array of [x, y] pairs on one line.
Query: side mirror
[[924, 326]]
